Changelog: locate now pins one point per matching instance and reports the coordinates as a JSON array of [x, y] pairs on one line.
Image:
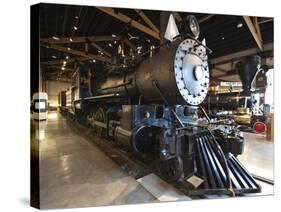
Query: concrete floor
[[258, 155], [76, 173]]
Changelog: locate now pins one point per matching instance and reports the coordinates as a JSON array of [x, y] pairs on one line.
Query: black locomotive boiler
[[152, 107]]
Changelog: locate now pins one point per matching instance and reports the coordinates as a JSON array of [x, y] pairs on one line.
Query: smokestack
[[247, 70]]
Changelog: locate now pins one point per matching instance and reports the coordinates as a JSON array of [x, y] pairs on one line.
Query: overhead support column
[[255, 30]]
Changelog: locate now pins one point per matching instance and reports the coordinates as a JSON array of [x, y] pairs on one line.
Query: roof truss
[[254, 28], [120, 16]]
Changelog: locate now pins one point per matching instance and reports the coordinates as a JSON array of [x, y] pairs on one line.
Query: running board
[[221, 174]]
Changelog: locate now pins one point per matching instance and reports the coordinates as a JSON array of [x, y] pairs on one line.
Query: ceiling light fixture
[[113, 35], [94, 60], [222, 38], [67, 57], [54, 56], [110, 45], [239, 25], [75, 27], [68, 48], [55, 38], [63, 68], [70, 39]]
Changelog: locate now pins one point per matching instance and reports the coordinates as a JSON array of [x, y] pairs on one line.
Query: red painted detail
[[259, 127]]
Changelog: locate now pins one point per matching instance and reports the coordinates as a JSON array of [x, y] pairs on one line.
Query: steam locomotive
[[152, 108], [244, 106]]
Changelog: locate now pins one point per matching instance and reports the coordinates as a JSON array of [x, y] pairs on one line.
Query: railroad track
[[139, 169]]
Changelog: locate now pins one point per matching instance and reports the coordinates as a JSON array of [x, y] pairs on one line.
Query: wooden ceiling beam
[[130, 44], [227, 73], [254, 31], [80, 53], [205, 18], [257, 26], [220, 69], [130, 21], [80, 39], [58, 62], [147, 21], [55, 77], [239, 55], [177, 16], [101, 49], [59, 67], [265, 20]]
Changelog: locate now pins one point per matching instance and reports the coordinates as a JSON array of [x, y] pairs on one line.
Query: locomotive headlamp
[[198, 72], [194, 26], [190, 25]]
